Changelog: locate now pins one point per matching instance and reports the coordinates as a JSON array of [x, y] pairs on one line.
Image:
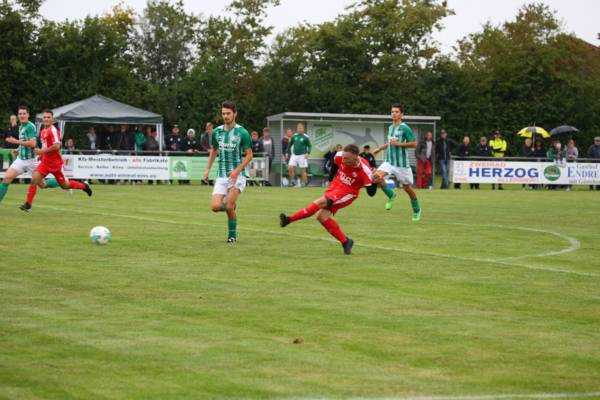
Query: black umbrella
[[563, 130]]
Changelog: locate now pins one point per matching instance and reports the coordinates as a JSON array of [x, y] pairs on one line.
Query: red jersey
[[48, 137], [351, 179]]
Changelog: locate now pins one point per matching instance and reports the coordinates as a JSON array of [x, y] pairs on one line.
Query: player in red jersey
[[52, 162], [353, 174]]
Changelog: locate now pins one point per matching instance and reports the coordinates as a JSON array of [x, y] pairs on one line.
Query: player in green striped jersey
[[26, 159], [400, 138], [232, 144]]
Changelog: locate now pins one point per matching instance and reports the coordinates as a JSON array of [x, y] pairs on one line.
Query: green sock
[[231, 227], [51, 183], [3, 190], [415, 205], [388, 192]]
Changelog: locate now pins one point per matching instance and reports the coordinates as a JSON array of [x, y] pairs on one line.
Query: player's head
[[397, 111], [350, 155], [23, 113], [300, 127], [13, 120], [228, 112], [47, 118], [366, 148]]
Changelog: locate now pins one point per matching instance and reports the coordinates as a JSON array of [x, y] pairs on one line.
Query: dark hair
[[352, 148], [23, 108], [47, 111], [366, 146], [398, 106], [229, 105]]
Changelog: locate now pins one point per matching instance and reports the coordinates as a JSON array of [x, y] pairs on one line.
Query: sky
[[579, 16]]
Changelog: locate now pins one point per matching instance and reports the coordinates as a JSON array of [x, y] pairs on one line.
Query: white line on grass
[[476, 397], [367, 245]]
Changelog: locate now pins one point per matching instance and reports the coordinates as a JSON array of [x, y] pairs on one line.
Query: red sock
[[76, 185], [305, 212], [31, 193], [334, 229]]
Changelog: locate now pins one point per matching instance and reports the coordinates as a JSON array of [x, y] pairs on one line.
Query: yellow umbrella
[[530, 130]]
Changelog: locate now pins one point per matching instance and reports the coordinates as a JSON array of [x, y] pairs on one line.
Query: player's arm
[[397, 143], [308, 146], [211, 159], [26, 143], [378, 149], [54, 147], [246, 145]]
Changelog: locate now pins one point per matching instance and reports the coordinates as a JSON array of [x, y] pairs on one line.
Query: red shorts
[[340, 198], [56, 170]]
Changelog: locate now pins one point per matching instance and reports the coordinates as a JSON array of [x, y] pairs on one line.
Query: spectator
[[174, 140], [92, 139], [572, 151], [594, 152], [285, 142], [539, 151], [527, 152], [124, 140], [151, 146], [190, 144], [443, 147], [556, 153], [329, 161], [527, 149], [69, 146], [367, 155], [267, 145], [482, 149], [464, 151], [138, 139], [206, 139], [256, 146], [498, 145], [108, 138], [425, 153], [11, 131]]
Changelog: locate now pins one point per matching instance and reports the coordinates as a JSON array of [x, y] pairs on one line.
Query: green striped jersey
[[26, 133], [231, 147], [299, 144], [397, 156]]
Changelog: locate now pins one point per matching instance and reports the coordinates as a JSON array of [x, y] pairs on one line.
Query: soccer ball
[[100, 235]]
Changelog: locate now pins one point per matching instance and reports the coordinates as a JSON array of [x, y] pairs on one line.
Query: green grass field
[[491, 294]]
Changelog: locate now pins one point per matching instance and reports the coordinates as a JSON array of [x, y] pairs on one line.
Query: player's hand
[[306, 156], [38, 152], [233, 176], [14, 152], [12, 140], [205, 175]]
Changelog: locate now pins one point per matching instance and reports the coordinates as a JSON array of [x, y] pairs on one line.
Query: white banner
[[524, 172]]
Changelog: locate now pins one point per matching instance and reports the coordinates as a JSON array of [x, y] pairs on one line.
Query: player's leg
[[292, 170], [405, 178], [36, 180], [325, 217], [68, 184], [303, 176], [303, 162], [218, 195], [9, 176], [230, 206], [305, 212], [380, 179]]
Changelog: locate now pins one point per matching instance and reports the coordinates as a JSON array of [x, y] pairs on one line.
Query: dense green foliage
[[525, 71]]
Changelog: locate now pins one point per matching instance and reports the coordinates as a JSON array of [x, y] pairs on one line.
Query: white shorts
[[22, 166], [404, 176], [298, 161], [222, 185]]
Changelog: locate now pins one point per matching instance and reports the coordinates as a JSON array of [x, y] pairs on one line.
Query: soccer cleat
[[416, 216], [87, 188], [25, 207], [390, 202], [347, 245], [284, 220], [231, 240]]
